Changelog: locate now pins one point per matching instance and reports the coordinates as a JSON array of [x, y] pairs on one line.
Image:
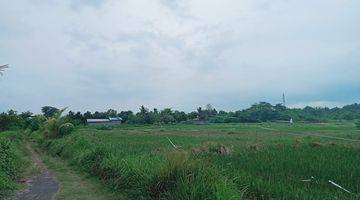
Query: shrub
[[66, 129], [56, 126], [210, 147], [36, 123], [9, 167], [6, 185], [52, 128], [8, 159], [34, 126], [10, 121]]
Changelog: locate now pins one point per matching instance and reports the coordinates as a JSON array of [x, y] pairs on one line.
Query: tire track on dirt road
[[40, 187]]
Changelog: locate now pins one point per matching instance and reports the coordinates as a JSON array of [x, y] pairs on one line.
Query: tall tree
[[49, 111], [144, 116], [111, 113], [166, 116], [202, 115]]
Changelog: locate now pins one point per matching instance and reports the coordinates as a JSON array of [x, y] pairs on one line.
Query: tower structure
[[284, 100]]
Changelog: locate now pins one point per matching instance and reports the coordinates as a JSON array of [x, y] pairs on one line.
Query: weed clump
[[91, 160], [256, 147], [316, 144], [66, 129], [298, 142], [186, 178], [215, 148]]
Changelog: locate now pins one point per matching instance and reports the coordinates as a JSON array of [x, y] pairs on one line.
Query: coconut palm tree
[[2, 68]]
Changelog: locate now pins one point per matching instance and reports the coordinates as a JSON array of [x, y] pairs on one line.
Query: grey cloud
[[98, 54]]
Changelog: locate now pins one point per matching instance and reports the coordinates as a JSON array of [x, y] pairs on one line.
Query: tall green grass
[[300, 171], [357, 124], [171, 175]]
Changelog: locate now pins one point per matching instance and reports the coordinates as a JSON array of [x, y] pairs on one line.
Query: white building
[[109, 121]]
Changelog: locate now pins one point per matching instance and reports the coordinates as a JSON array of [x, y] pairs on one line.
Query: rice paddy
[[218, 161]]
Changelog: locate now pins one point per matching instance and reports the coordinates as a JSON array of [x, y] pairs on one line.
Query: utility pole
[[284, 100]]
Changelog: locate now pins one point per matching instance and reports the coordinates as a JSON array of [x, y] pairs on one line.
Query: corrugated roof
[[115, 118], [97, 120]]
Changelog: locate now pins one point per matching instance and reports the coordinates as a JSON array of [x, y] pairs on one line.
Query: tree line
[[258, 112]]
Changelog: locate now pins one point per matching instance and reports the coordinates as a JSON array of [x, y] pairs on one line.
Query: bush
[[10, 121], [52, 128], [8, 159], [36, 123], [66, 129], [10, 164], [56, 126], [357, 124]]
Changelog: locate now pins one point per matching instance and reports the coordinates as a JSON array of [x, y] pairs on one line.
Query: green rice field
[[218, 161]]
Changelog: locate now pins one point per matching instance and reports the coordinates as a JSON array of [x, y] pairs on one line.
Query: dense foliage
[[57, 126], [11, 164], [259, 112]]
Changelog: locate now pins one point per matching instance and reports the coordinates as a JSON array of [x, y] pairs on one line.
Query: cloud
[[93, 55]]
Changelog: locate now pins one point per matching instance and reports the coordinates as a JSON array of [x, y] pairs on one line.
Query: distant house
[[109, 121]]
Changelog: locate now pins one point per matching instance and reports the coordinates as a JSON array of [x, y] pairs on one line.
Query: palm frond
[[59, 113], [2, 68]]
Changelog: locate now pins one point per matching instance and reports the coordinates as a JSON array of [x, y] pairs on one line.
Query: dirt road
[[40, 187]]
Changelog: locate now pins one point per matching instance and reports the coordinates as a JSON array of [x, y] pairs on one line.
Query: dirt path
[[41, 187]]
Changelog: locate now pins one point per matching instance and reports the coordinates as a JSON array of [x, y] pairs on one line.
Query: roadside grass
[[172, 175], [139, 162], [13, 163], [74, 184]]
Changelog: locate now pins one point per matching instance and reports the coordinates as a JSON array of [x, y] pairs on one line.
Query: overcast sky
[[100, 54]]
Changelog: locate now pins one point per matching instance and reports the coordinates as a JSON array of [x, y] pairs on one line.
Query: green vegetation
[[259, 112], [163, 155], [56, 126], [74, 185], [12, 163], [104, 127], [216, 161], [357, 124], [172, 175]]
